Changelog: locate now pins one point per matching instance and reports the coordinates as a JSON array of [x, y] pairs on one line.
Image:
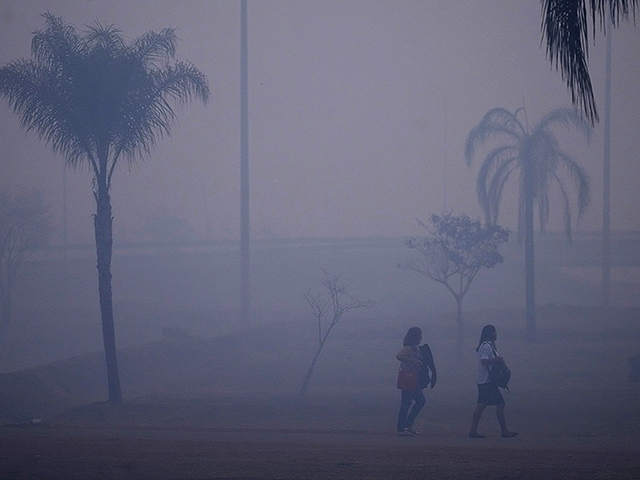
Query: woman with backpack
[[413, 376], [488, 392]]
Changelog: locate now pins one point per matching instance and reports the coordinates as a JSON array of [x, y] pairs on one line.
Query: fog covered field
[[206, 369], [57, 312], [574, 382], [212, 398]]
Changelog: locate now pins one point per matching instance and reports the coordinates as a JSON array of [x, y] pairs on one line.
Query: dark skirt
[[489, 394]]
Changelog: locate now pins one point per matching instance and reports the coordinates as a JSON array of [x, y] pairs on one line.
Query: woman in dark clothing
[[420, 360]]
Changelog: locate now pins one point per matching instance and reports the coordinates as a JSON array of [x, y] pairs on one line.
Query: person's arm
[[488, 355], [404, 355]]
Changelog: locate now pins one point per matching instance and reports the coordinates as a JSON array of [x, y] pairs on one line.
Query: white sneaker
[[404, 433], [412, 431]]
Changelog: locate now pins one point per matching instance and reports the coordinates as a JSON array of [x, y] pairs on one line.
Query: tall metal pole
[[444, 163], [606, 179], [245, 291], [64, 211]]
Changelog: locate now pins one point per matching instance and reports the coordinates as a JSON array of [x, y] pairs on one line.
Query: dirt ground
[[45, 453], [227, 407]]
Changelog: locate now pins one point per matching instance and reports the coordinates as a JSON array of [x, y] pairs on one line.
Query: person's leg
[[419, 399], [405, 403], [503, 423], [477, 414], [501, 419]]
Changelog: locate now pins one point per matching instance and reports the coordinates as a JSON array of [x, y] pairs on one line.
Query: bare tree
[[336, 304], [25, 225], [453, 253]]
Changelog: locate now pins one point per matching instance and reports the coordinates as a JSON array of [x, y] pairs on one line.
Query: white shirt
[[485, 352]]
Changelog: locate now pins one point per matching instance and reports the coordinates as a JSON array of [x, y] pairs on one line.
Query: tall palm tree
[[96, 99], [536, 155], [565, 31]]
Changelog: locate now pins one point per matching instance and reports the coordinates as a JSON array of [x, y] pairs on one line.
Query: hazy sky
[[356, 107]]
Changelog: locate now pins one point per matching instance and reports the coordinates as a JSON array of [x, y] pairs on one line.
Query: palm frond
[[494, 195], [495, 122], [56, 45], [105, 37], [580, 180], [183, 82], [148, 114], [493, 174], [568, 117], [567, 209], [565, 30], [93, 97], [151, 46], [35, 93]]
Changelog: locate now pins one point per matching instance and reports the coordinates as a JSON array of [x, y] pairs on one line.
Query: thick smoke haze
[[358, 115]]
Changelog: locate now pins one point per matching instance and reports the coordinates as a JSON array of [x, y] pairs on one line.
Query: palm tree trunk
[[460, 324], [6, 299], [103, 224], [5, 306], [5, 312], [530, 293]]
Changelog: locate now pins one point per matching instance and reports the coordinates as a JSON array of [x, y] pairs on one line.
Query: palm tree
[[536, 155], [96, 99], [565, 31]]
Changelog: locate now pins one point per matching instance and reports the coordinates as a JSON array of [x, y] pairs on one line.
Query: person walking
[[488, 392], [410, 359]]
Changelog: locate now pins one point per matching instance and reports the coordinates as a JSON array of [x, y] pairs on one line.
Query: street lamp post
[[606, 195], [245, 299]]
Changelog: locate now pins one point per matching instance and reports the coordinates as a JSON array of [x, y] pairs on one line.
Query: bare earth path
[[95, 453]]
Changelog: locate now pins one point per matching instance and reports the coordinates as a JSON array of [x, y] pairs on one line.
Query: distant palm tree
[[536, 156], [96, 99], [565, 30]]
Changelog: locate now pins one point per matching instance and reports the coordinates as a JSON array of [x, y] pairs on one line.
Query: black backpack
[[500, 374], [424, 376]]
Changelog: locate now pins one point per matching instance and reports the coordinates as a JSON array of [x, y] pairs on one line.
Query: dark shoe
[[509, 434], [476, 435]]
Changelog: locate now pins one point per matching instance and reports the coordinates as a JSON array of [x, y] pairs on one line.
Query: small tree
[[336, 304], [25, 226], [456, 249]]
